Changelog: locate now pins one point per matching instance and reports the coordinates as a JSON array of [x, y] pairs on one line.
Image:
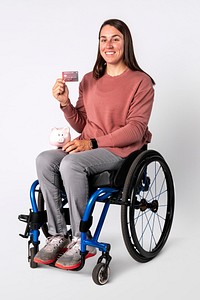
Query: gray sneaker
[[71, 259], [49, 253]]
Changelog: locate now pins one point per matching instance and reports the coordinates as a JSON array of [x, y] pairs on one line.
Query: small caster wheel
[[32, 255], [101, 274]]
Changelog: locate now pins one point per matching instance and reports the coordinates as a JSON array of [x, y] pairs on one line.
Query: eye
[[116, 39], [102, 40]]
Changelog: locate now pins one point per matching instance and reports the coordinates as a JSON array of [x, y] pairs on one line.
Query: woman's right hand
[[60, 92]]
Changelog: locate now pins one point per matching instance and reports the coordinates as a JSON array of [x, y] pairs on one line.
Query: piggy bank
[[59, 137]]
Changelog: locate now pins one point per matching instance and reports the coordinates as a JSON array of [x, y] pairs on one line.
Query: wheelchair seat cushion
[[115, 178], [102, 179]]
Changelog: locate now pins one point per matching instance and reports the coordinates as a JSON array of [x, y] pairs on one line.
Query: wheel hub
[[143, 205]]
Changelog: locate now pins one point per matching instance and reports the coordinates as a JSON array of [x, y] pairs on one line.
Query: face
[[111, 45]]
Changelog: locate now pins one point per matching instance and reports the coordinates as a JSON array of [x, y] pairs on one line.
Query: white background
[[39, 39]]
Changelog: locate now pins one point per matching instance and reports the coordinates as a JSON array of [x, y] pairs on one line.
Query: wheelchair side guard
[[120, 176]]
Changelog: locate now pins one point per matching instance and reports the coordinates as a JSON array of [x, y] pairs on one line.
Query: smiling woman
[[112, 50], [119, 35], [111, 115]]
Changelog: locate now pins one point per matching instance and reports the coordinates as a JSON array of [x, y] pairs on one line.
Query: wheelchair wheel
[[147, 206], [101, 274], [33, 252]]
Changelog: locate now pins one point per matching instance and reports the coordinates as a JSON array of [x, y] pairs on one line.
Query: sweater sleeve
[[138, 116], [76, 115]]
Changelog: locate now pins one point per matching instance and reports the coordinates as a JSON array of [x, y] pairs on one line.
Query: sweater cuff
[[63, 107], [104, 141], [67, 109]]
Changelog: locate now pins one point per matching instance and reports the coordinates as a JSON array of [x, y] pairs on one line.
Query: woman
[[111, 115]]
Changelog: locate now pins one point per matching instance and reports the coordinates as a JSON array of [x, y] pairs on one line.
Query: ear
[[66, 129]]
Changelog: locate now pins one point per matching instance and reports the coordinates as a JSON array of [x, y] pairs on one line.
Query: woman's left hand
[[77, 146]]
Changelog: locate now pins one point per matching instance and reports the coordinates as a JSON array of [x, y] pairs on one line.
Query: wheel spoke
[[151, 197], [146, 227]]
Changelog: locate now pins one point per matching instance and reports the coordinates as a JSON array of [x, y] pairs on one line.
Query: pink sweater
[[114, 110]]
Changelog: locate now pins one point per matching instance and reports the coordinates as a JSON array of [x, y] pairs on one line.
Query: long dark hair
[[129, 56]]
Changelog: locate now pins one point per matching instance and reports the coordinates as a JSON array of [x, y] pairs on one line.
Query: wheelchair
[[143, 188]]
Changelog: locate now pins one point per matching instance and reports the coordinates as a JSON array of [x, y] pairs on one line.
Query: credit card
[[70, 76]]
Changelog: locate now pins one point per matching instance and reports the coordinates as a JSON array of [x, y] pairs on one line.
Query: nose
[[109, 44], [61, 139]]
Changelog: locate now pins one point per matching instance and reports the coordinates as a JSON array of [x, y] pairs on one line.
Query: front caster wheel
[[101, 274], [33, 251]]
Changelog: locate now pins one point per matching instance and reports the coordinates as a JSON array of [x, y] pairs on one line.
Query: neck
[[114, 70]]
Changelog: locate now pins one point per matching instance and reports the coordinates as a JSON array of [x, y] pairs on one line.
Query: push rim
[[148, 213]]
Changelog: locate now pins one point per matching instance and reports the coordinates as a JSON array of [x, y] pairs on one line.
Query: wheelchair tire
[[147, 206], [101, 274], [33, 252], [40, 203]]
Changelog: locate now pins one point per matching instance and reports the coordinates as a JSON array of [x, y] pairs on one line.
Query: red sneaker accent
[[88, 255], [44, 262], [50, 261]]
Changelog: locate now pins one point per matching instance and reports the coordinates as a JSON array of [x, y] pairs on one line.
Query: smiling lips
[[109, 52]]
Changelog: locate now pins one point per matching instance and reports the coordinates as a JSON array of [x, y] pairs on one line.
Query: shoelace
[[53, 242], [74, 246]]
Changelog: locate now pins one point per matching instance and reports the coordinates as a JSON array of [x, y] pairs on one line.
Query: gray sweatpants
[[57, 169]]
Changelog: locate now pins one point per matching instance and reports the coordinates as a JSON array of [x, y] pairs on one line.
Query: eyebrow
[[115, 35]]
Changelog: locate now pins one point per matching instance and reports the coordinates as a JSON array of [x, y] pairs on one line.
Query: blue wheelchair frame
[[100, 195], [133, 190]]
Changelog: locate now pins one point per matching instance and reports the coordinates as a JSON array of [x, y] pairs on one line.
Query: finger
[[74, 151], [59, 90], [59, 80], [59, 83], [64, 147], [68, 147]]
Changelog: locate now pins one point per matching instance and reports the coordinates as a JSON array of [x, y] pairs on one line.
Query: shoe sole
[[50, 261], [73, 266], [44, 262]]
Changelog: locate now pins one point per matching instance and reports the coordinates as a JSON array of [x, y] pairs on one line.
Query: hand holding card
[[68, 76]]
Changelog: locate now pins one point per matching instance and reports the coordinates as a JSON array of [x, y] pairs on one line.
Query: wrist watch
[[93, 143]]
